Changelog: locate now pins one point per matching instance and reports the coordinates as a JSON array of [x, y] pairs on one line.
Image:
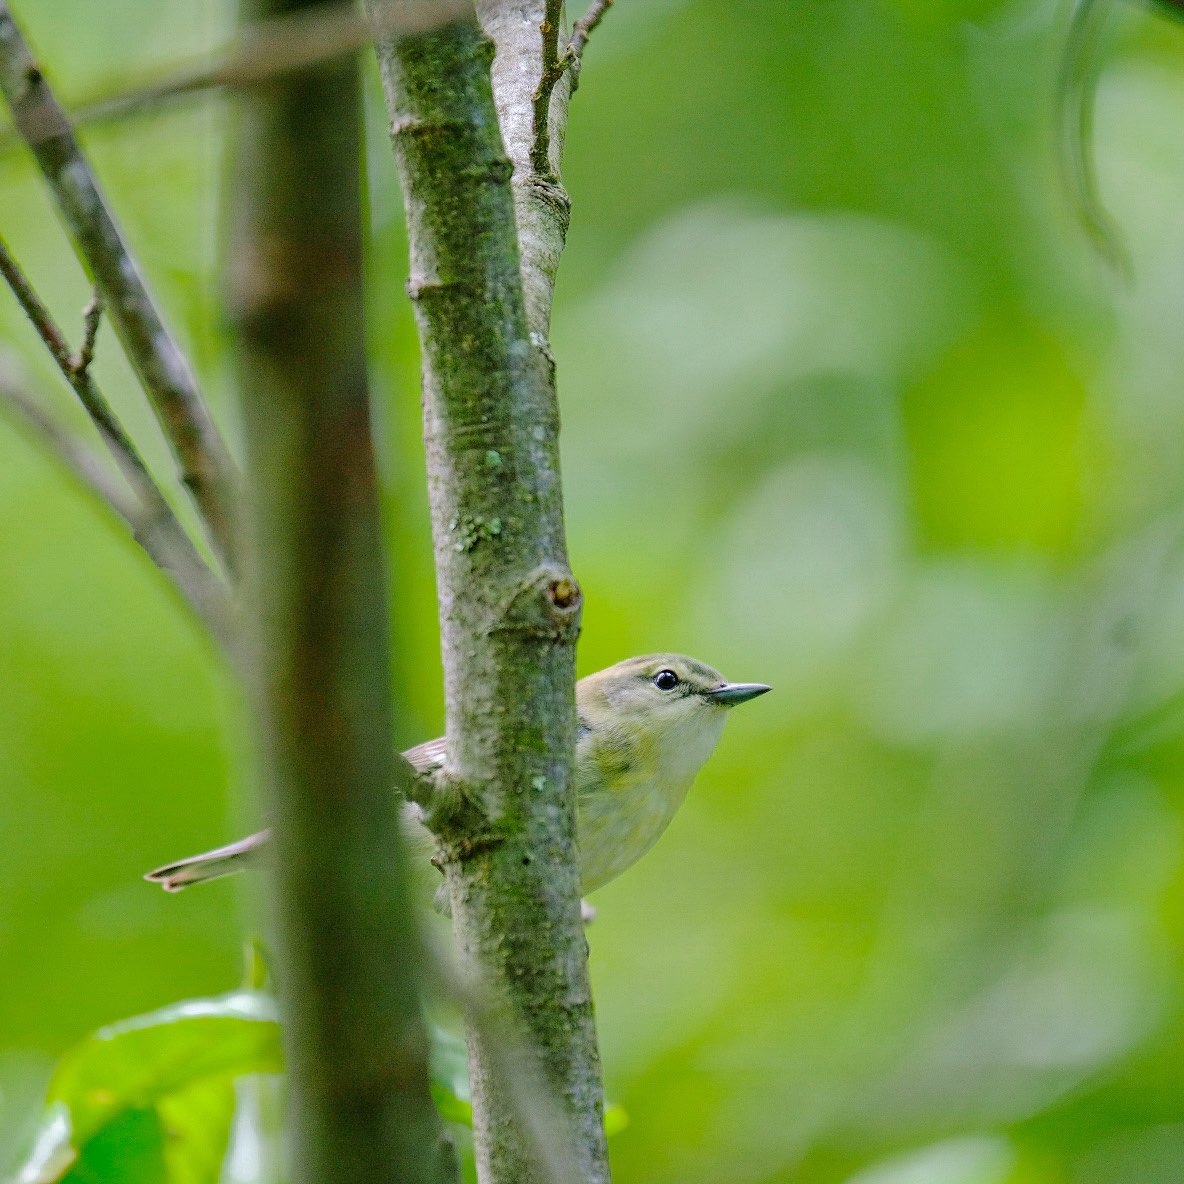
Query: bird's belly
[[615, 829]]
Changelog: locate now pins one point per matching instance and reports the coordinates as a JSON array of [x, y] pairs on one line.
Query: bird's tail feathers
[[223, 861]]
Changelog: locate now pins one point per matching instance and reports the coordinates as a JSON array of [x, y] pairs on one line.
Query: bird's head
[[669, 704]]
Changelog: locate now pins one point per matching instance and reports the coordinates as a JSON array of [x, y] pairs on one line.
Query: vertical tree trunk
[[347, 946], [509, 605]]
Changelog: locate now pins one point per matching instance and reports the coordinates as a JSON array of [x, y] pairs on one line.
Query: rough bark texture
[[348, 950], [206, 466], [509, 605], [541, 205]]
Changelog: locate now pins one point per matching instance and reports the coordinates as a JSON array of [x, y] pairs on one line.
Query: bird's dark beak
[[732, 693]]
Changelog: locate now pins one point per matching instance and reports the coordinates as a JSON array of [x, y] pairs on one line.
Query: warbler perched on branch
[[646, 727]]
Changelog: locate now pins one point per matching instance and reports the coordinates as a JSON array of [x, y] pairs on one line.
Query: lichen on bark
[[509, 605]]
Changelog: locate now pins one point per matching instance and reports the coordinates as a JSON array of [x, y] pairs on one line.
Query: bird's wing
[[427, 756]]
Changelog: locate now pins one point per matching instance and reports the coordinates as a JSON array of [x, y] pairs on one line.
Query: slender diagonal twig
[[157, 528], [555, 65], [583, 29], [73, 456], [208, 602], [76, 372], [34, 309], [206, 466]]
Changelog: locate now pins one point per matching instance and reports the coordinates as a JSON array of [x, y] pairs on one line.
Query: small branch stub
[[545, 605], [91, 315], [555, 65]]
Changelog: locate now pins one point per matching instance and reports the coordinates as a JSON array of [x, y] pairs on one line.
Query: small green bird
[[646, 727]]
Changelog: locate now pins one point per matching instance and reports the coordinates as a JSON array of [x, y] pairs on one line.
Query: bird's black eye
[[665, 680]]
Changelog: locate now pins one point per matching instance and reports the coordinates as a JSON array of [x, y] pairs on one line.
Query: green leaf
[[151, 1098], [130, 1149], [135, 1063], [196, 1124]]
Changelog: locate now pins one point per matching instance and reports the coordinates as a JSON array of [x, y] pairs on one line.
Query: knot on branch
[[80, 362], [458, 848], [460, 824], [546, 604], [546, 192]]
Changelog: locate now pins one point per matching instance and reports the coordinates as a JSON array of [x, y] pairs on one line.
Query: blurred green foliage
[[850, 407]]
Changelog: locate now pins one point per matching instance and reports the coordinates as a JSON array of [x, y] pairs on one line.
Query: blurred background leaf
[[851, 407]]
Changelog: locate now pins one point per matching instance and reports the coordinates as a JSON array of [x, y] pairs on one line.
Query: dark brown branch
[[348, 952], [206, 466]]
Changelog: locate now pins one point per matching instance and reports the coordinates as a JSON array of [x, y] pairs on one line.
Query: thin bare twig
[[164, 547], [582, 30], [267, 50], [156, 526], [70, 453], [92, 314], [206, 465], [555, 65], [273, 48], [37, 313]]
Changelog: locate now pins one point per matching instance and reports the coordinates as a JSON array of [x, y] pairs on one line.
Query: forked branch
[[205, 463], [171, 552], [154, 524], [554, 66]]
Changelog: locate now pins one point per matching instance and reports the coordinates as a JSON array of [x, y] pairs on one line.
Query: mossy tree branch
[[533, 121], [534, 76], [348, 953], [509, 605]]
